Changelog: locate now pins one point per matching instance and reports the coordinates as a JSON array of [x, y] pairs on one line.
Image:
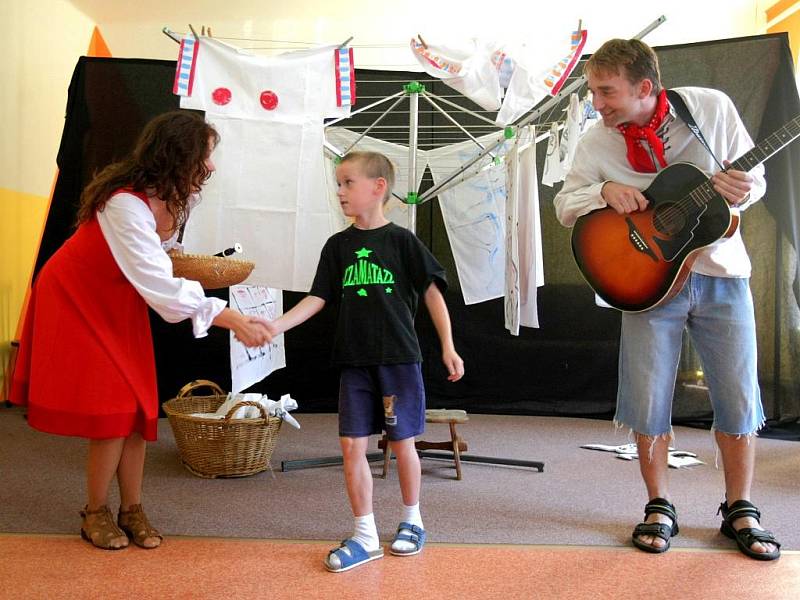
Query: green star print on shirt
[[364, 272]]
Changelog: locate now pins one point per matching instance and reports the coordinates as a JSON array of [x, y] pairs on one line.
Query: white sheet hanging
[[474, 216], [531, 265], [269, 191], [511, 302], [524, 268]]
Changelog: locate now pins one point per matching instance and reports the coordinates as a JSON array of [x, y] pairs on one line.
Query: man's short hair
[[374, 165], [633, 59]]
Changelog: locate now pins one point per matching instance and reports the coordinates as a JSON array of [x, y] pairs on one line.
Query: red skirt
[[85, 365]]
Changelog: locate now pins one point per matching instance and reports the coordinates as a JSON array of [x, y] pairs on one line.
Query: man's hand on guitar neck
[[732, 185], [623, 198]]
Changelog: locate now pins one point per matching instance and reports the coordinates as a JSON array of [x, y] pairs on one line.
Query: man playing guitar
[[641, 135]]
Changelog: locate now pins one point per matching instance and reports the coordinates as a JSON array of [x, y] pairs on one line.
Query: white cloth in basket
[[276, 408]]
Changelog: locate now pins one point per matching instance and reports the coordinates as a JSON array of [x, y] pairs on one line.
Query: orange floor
[[56, 566]]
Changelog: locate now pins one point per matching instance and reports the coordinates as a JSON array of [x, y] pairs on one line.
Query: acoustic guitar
[[639, 260]]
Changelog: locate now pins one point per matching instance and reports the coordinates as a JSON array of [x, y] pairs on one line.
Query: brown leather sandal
[[135, 524], [100, 530]]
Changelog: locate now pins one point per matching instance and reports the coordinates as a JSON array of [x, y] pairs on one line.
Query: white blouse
[[129, 228]]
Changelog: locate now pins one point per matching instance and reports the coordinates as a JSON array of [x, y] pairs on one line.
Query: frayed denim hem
[[749, 436], [635, 436]]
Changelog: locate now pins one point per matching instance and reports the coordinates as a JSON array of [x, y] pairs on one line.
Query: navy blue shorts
[[382, 397]]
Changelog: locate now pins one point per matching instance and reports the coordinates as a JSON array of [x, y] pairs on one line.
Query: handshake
[[252, 331], [255, 331]]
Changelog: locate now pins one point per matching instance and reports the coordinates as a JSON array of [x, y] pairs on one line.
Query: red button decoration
[[269, 100], [221, 96]]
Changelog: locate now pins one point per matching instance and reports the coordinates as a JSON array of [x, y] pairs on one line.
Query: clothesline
[[539, 116], [298, 45], [293, 42]]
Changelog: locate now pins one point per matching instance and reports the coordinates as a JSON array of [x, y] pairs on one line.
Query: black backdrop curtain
[[566, 367]]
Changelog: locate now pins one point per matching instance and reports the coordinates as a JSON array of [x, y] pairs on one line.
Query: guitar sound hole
[[668, 219]]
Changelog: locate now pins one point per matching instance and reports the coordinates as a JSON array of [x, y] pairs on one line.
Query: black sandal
[[747, 536], [660, 530]]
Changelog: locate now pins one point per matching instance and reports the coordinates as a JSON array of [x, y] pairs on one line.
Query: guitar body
[[637, 261]]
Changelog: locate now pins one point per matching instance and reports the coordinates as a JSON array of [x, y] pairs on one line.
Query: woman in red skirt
[[85, 365]]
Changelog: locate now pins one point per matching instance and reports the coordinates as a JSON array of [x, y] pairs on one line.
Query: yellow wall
[[40, 44], [21, 222], [785, 16]]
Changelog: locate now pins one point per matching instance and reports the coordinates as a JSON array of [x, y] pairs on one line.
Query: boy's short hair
[[374, 165], [633, 59]]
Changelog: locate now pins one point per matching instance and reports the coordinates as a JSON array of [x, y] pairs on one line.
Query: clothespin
[[203, 30], [421, 41], [209, 31], [171, 35], [194, 33], [580, 22], [347, 41]]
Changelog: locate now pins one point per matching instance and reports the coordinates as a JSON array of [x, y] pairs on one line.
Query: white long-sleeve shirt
[[129, 228], [602, 157]]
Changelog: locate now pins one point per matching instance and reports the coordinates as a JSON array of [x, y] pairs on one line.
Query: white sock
[[411, 515], [366, 533]]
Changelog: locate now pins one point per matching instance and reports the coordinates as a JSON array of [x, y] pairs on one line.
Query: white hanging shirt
[[532, 81], [474, 214], [269, 190], [472, 71], [524, 267], [294, 86]]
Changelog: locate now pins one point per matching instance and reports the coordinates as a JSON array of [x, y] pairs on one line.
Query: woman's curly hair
[[168, 159]]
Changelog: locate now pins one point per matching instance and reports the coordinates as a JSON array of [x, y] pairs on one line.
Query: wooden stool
[[456, 444]]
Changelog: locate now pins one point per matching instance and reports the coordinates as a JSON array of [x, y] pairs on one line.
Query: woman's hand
[[251, 331]]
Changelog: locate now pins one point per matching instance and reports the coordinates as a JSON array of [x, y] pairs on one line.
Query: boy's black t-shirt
[[375, 277]]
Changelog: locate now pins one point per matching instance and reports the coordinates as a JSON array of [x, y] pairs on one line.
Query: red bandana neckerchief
[[638, 156]]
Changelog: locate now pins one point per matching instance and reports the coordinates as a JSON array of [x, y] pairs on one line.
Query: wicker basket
[[211, 271], [220, 447]]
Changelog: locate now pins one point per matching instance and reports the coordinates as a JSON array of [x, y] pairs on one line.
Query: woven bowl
[[211, 271]]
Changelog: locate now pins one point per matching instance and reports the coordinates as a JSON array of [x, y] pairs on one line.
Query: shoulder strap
[[680, 107]]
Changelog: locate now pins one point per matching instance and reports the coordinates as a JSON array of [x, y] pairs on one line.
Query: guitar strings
[[674, 213]]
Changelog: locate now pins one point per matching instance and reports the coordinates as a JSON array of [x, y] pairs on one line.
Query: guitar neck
[[769, 146]]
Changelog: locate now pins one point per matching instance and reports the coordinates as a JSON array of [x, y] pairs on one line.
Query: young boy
[[375, 272]]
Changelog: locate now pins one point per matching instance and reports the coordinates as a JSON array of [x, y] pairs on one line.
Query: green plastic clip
[[508, 133], [413, 87], [412, 198], [337, 160]]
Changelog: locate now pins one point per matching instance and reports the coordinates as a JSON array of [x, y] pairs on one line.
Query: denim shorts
[[382, 397], [718, 314]]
